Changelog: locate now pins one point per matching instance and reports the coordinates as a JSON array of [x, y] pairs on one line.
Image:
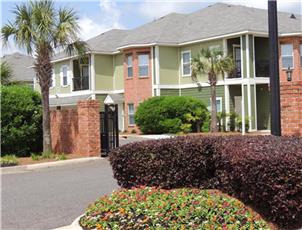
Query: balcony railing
[[262, 68], [80, 83]]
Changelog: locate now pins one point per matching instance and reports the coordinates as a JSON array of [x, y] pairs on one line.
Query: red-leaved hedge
[[264, 171]]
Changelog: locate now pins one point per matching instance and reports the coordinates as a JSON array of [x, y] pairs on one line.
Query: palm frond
[[78, 48]]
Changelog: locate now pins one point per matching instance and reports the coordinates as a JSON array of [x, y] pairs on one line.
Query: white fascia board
[[290, 34], [86, 92]]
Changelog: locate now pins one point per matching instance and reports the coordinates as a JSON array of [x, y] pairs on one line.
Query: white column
[[152, 69], [92, 77], [71, 74], [255, 98], [242, 110], [249, 105], [247, 48], [225, 53], [227, 104], [157, 66]]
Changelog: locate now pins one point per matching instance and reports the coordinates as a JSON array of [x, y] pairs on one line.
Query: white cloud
[[110, 19], [10, 48]]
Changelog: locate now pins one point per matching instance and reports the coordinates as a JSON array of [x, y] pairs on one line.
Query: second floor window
[[84, 71], [53, 79], [186, 63], [287, 56], [64, 76], [143, 65], [129, 66]]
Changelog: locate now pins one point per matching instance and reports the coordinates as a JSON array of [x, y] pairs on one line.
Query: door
[[109, 129]]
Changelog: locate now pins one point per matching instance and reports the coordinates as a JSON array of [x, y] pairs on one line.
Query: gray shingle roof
[[20, 63], [64, 101], [215, 20]]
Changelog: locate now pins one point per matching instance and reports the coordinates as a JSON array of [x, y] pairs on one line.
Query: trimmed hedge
[[171, 114], [264, 171]]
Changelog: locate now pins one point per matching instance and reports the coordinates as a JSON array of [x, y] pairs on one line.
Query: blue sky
[[97, 16]]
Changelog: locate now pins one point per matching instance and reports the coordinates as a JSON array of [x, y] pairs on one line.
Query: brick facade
[[291, 91], [136, 89], [77, 130]]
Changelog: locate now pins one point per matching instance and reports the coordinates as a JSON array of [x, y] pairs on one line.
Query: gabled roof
[[175, 29], [20, 65]]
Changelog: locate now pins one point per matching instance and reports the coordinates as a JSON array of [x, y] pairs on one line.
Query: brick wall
[[291, 92], [77, 130], [137, 89]]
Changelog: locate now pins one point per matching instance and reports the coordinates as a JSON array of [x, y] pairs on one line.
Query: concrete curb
[[75, 225], [22, 168]]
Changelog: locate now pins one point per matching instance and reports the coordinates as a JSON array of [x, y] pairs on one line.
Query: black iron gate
[[109, 129]]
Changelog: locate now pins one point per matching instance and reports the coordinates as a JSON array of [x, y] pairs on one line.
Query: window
[[186, 63], [287, 55], [53, 79], [143, 65], [218, 104], [131, 114], [129, 66], [84, 71], [301, 55], [64, 81]]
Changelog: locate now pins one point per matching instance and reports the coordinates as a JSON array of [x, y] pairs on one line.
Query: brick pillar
[[89, 128]]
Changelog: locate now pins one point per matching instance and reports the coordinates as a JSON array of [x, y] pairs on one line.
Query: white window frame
[[129, 55], [130, 114], [217, 99], [61, 75], [287, 55], [53, 79], [182, 63], [138, 65]]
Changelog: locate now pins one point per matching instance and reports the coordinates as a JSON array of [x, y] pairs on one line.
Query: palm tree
[[42, 29], [6, 73], [212, 62]]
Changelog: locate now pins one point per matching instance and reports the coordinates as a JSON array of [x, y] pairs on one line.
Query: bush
[[9, 160], [153, 208], [170, 114], [21, 120], [263, 170]]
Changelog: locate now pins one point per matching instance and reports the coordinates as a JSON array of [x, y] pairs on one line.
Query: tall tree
[[6, 73], [42, 29], [212, 62]]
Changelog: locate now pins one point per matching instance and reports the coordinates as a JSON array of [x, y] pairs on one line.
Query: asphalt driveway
[[53, 197]]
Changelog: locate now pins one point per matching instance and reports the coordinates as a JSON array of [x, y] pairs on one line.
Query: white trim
[[249, 106], [109, 91], [182, 63], [225, 53], [241, 54], [71, 74], [254, 56], [255, 99], [152, 70], [242, 110], [290, 34], [179, 70], [91, 78], [157, 72], [61, 76], [247, 53], [227, 104], [35, 82], [86, 92], [136, 45], [284, 68], [53, 79]]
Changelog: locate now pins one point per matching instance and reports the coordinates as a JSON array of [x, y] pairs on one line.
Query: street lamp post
[[274, 68]]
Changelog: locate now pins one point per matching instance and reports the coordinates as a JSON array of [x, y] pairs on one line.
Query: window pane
[[287, 50], [85, 71], [130, 72], [131, 120], [186, 57], [287, 61], [143, 59], [143, 71], [64, 80], [130, 108], [186, 69], [129, 60], [218, 105]]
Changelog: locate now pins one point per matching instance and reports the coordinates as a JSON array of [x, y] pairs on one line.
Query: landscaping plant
[[264, 171], [170, 114], [9, 160], [154, 208], [21, 118]]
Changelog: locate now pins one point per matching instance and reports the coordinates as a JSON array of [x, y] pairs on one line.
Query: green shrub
[[170, 114], [154, 208], [21, 120], [9, 160], [47, 155], [60, 157], [35, 156]]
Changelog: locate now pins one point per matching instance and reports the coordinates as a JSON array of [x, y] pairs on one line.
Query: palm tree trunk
[[46, 121], [214, 109]]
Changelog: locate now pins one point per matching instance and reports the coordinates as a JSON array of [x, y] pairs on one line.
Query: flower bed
[[154, 208]]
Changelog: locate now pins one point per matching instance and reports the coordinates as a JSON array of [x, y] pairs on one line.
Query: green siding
[[169, 92], [195, 49], [118, 72], [204, 94], [263, 107], [253, 107], [58, 89], [103, 72], [101, 98], [251, 55], [243, 47], [169, 63]]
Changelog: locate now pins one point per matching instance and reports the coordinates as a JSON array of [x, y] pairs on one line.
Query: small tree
[[211, 62], [41, 29], [6, 73]]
